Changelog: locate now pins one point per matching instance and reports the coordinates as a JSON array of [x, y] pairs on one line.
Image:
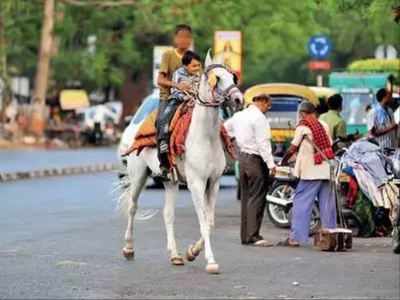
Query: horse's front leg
[[197, 187], [211, 198], [171, 193], [212, 195]]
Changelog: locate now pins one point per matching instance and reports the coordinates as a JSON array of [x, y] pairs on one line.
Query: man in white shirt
[[252, 133]]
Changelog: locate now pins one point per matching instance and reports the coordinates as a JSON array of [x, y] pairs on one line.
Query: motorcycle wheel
[[279, 215], [353, 223]]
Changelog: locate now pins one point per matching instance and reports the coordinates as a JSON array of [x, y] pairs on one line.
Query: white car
[[149, 104]]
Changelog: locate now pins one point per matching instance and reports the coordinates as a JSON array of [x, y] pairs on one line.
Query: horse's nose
[[238, 99]]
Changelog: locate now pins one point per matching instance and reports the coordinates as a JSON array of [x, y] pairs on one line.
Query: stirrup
[[174, 176], [164, 174]]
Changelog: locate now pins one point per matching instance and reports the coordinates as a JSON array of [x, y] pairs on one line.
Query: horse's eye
[[235, 78]]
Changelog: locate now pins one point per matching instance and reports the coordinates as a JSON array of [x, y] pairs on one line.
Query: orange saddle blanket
[[146, 135]]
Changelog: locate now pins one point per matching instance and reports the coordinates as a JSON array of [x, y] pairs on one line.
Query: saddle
[[179, 126]]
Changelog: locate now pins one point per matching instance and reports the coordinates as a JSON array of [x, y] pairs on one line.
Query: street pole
[[320, 80]]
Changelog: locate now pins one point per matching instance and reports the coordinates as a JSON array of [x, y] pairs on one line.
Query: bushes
[[375, 65]]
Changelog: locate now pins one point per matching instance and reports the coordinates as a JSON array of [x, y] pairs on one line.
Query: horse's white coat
[[202, 166]]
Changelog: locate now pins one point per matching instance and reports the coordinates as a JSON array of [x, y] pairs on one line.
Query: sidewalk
[[33, 163]]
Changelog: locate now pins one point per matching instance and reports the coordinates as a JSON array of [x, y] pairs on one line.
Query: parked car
[[99, 122]]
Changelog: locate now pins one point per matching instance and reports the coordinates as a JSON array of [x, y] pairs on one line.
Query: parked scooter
[[280, 198]]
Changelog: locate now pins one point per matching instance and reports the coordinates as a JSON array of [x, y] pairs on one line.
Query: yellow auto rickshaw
[[285, 100]]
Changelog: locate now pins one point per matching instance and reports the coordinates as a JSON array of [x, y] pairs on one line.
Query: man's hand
[[183, 86], [272, 172]]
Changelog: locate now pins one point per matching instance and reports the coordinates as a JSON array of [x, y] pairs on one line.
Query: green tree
[[275, 35]]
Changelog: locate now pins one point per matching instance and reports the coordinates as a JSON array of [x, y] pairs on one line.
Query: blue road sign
[[319, 46]]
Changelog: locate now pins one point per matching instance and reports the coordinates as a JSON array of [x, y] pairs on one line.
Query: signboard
[[319, 46], [316, 65], [157, 54], [228, 48], [385, 52], [73, 99]]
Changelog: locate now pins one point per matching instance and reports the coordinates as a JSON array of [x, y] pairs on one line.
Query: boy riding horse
[[171, 61]]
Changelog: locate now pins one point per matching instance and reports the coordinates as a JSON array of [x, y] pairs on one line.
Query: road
[[61, 238]]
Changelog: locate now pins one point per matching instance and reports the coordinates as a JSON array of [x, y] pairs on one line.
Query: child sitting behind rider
[[188, 74]]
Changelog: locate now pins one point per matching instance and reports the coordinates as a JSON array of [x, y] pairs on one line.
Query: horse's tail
[[124, 190]]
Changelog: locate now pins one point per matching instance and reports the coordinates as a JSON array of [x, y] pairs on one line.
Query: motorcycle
[[279, 200]]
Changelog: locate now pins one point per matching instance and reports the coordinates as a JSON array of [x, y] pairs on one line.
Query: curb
[[65, 171]]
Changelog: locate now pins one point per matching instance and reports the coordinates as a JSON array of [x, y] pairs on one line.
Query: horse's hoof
[[190, 256], [212, 269], [128, 253], [177, 261]]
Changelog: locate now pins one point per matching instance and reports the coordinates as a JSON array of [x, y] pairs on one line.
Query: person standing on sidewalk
[[170, 62], [252, 133], [337, 125], [381, 123], [313, 146]]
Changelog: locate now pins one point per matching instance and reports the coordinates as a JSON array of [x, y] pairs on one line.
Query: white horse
[[201, 167]]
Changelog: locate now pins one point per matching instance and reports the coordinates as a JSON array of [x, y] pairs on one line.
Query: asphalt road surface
[[61, 238]]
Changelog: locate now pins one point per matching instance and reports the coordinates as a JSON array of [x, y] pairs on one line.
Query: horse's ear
[[209, 59], [219, 59], [212, 79]]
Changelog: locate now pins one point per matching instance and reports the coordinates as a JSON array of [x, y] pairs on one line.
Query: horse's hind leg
[[137, 172], [171, 192]]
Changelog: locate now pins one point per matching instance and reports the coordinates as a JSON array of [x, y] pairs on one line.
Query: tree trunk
[[132, 93], [5, 84], [43, 67]]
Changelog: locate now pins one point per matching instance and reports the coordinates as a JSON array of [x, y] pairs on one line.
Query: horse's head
[[218, 85]]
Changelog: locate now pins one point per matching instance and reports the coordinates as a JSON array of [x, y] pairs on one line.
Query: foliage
[[275, 35], [375, 65], [22, 22]]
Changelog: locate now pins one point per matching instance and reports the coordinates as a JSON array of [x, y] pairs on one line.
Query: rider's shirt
[[182, 75], [171, 60]]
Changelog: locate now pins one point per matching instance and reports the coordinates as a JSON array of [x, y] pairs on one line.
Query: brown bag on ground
[[338, 239]]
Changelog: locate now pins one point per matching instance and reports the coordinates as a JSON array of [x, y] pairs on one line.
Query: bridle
[[219, 96]]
